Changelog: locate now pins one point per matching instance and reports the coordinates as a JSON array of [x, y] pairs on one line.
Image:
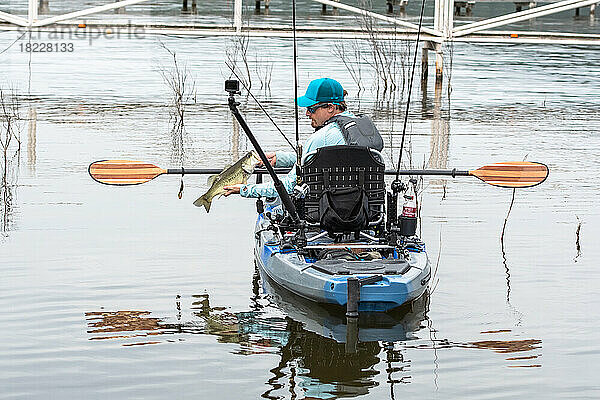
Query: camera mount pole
[[283, 194]]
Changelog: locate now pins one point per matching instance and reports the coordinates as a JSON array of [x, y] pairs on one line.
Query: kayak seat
[[346, 188]]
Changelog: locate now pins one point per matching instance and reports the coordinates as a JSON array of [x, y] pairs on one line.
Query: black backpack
[[359, 131]]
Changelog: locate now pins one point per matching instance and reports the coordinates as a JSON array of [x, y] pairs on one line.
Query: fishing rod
[[262, 108], [410, 85], [298, 149]]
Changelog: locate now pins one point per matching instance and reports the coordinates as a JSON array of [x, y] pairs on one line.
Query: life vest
[[359, 131]]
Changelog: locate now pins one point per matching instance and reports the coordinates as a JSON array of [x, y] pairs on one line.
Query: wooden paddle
[[518, 174], [513, 174]]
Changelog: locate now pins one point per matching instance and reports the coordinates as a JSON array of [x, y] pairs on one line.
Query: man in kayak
[[327, 110]]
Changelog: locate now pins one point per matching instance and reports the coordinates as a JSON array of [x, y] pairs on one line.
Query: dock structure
[[443, 31]]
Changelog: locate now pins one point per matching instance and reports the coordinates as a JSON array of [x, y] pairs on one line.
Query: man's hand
[[271, 157], [233, 189]]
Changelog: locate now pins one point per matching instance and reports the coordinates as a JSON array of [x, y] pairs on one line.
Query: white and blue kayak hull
[[306, 278]]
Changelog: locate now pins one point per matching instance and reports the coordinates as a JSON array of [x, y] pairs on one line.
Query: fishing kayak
[[402, 276]]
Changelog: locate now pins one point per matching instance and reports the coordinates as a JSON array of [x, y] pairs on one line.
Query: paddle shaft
[[281, 171]]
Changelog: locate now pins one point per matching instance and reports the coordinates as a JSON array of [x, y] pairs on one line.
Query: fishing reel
[[300, 191]]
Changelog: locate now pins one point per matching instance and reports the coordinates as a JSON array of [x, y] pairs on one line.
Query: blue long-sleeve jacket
[[329, 135]]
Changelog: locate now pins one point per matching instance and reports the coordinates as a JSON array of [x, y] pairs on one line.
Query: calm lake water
[[133, 293]]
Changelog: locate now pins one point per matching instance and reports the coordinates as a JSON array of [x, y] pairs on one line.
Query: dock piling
[[237, 15], [424, 62], [520, 5], [467, 5], [120, 10], [32, 13], [186, 10], [257, 6], [403, 4], [43, 7], [334, 9], [439, 64]]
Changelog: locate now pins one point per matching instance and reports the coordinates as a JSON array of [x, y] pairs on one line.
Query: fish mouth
[[254, 160], [255, 156]]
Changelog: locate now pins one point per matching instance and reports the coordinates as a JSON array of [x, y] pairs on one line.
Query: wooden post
[[469, 9], [424, 73], [323, 9], [194, 7], [577, 12], [390, 7], [43, 6], [403, 4], [462, 4], [424, 62], [257, 6], [184, 7], [439, 64]]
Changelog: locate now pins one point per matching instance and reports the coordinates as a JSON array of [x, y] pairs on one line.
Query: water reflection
[[325, 364], [497, 346], [311, 340], [440, 134], [181, 85], [31, 137], [10, 147]]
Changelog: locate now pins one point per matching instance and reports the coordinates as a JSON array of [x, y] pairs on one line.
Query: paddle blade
[[517, 174], [123, 172]]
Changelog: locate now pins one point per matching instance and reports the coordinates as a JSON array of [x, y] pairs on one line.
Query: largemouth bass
[[237, 173]]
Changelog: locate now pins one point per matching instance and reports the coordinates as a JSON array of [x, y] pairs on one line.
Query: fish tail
[[203, 201]]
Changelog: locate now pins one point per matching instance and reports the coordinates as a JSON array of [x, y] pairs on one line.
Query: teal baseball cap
[[322, 90]]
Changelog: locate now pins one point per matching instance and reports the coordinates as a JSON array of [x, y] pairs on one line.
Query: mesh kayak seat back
[[346, 188]]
